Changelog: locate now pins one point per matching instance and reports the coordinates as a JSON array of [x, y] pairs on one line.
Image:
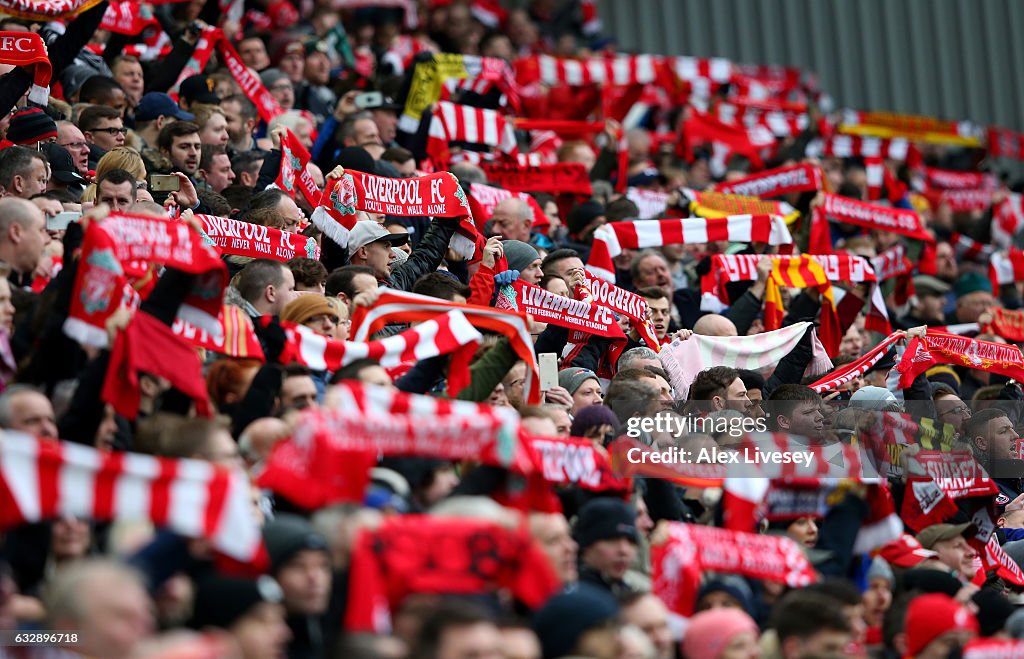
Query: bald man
[[713, 324], [23, 234], [259, 438]]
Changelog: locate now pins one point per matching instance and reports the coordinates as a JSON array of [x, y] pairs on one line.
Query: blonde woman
[[120, 157]]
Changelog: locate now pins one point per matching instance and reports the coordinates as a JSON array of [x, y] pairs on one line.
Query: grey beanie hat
[[880, 570], [519, 254]]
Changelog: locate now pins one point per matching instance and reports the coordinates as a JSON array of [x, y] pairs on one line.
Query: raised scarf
[[45, 479], [950, 179], [802, 272], [852, 146], [578, 130], [600, 291], [565, 177], [1007, 324], [1005, 143], [328, 458], [1008, 220], [398, 306], [855, 369], [239, 238], [683, 360], [1006, 267], [452, 122], [777, 182], [293, 174], [442, 555], [910, 127], [682, 553], [611, 239], [863, 214], [47, 10], [469, 72], [967, 248], [127, 17], [149, 346], [651, 203], [940, 348], [547, 307], [436, 195], [620, 70], [960, 201], [236, 337], [447, 334], [27, 49], [725, 139], [727, 268], [120, 239], [720, 204]]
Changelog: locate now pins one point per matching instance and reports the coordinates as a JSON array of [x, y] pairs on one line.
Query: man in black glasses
[[103, 128]]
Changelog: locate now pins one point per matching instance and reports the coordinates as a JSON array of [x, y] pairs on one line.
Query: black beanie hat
[[220, 600], [993, 610], [287, 535], [605, 518], [31, 125], [564, 618], [357, 158], [583, 215]]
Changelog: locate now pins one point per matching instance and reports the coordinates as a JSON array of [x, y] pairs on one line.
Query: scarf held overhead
[[44, 479], [777, 182], [256, 241], [293, 173], [547, 307], [27, 49], [939, 348]]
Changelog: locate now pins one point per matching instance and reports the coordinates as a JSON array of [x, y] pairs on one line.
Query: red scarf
[[45, 479], [293, 174], [611, 239], [620, 70], [577, 129], [463, 123], [850, 146], [1006, 267], [619, 300], [127, 17], [777, 182], [121, 239], [565, 177], [27, 49], [970, 249], [911, 127], [863, 214], [546, 307], [399, 306], [1007, 324], [939, 348], [450, 333], [437, 195], [149, 346], [1008, 219], [701, 128], [690, 550], [256, 241], [453, 556], [949, 179], [855, 369], [1005, 143], [47, 10], [960, 201], [235, 339]]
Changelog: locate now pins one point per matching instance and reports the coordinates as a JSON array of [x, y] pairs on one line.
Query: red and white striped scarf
[[702, 77], [651, 203], [727, 268], [893, 262], [44, 479], [1006, 267], [969, 249], [782, 124], [849, 146], [463, 123], [776, 182], [1005, 143], [611, 239], [857, 368], [950, 179], [235, 339], [437, 195], [725, 140], [447, 334], [1007, 220], [398, 306], [618, 70]]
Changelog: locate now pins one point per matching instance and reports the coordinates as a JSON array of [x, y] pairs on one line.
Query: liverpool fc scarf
[[1007, 324], [611, 239], [435, 555], [939, 348], [1005, 143], [1006, 268], [121, 239], [619, 300], [127, 17], [910, 127], [777, 182], [863, 214], [719, 204], [682, 553], [256, 241], [437, 195], [149, 346], [463, 123], [28, 50], [293, 174], [683, 360], [855, 369], [399, 306], [1008, 220], [949, 179], [547, 307], [45, 479], [450, 333]]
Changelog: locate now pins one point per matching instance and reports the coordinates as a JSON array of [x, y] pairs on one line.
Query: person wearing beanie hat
[[936, 625], [594, 422], [300, 562], [994, 609], [607, 536], [30, 126], [946, 375], [877, 599], [576, 621], [725, 591], [973, 292], [523, 258], [583, 385], [280, 87], [249, 609], [720, 634], [584, 219], [876, 399], [313, 311]]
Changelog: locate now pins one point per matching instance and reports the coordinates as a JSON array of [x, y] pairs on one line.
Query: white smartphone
[[369, 100], [60, 221], [548, 370]]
